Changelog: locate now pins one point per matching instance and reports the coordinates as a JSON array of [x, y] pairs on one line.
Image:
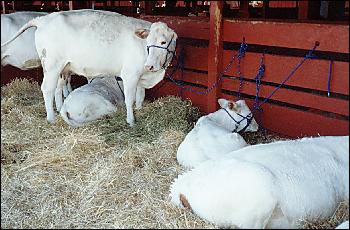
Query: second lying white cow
[[92, 101], [212, 136], [271, 185], [95, 43]]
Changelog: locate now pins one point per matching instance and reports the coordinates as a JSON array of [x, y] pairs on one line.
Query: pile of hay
[[102, 175]]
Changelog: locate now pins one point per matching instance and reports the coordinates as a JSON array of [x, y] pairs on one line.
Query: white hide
[[212, 136], [344, 225], [271, 185], [95, 43], [22, 53], [92, 101]]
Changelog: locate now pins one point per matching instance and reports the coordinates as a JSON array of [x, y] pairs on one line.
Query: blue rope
[[310, 55], [209, 89], [329, 78], [258, 77], [241, 53]]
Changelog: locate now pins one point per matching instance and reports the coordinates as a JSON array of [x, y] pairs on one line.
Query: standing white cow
[[215, 134], [95, 43], [273, 185], [92, 101], [22, 53]]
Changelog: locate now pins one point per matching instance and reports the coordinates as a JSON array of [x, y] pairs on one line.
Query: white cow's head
[[239, 113], [161, 44]]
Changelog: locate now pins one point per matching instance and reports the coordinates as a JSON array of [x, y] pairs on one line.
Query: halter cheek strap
[[165, 48], [249, 119]]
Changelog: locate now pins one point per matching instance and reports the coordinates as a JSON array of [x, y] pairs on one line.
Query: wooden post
[[70, 3], [3, 7], [265, 11], [244, 9], [215, 53], [303, 9], [148, 7]]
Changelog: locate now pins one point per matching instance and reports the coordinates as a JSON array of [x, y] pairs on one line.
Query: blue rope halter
[[173, 52], [249, 119]]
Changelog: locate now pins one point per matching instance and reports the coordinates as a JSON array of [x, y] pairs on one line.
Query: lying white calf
[[269, 185], [212, 136], [92, 101], [344, 225]]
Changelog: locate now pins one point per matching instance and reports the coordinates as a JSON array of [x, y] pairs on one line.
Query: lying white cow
[[213, 136], [344, 225], [96, 43], [269, 185], [22, 53], [92, 101]]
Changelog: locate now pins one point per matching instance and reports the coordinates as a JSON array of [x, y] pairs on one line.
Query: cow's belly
[[94, 70]]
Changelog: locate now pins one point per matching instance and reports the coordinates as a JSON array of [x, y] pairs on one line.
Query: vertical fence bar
[[3, 7], [70, 3], [215, 53], [302, 9], [148, 7]]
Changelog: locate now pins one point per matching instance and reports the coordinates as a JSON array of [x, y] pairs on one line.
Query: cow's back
[[93, 42], [317, 166]]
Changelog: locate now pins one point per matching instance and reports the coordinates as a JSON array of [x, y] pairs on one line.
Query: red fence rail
[[301, 107]]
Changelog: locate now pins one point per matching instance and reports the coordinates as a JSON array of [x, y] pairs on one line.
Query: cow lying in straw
[[92, 101], [271, 185], [215, 134], [100, 43]]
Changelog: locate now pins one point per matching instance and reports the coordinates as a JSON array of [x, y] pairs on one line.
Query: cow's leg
[[140, 96], [58, 92], [130, 80], [48, 88], [65, 86], [69, 86]]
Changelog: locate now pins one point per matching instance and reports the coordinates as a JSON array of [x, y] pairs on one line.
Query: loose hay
[[102, 175]]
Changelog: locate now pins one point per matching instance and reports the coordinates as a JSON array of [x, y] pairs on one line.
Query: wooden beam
[[215, 53], [303, 9]]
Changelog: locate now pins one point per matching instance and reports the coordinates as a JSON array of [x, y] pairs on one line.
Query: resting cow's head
[[239, 113], [161, 45]]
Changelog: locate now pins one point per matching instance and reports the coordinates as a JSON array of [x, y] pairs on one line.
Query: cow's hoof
[[138, 107], [131, 123], [51, 120]]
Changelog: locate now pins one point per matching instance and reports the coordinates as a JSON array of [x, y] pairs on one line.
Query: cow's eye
[[162, 43]]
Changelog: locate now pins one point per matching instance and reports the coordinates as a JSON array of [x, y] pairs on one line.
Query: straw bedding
[[101, 175]]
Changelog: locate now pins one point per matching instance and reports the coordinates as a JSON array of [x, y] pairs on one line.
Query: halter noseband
[[165, 48], [249, 119]]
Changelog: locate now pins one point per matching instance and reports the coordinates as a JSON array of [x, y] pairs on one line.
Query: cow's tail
[[31, 23]]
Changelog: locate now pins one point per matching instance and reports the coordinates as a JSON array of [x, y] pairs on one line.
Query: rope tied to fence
[[329, 78], [208, 90], [260, 74], [241, 53], [309, 55]]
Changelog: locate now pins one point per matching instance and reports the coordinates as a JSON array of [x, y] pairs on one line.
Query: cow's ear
[[142, 33], [227, 104], [233, 106]]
